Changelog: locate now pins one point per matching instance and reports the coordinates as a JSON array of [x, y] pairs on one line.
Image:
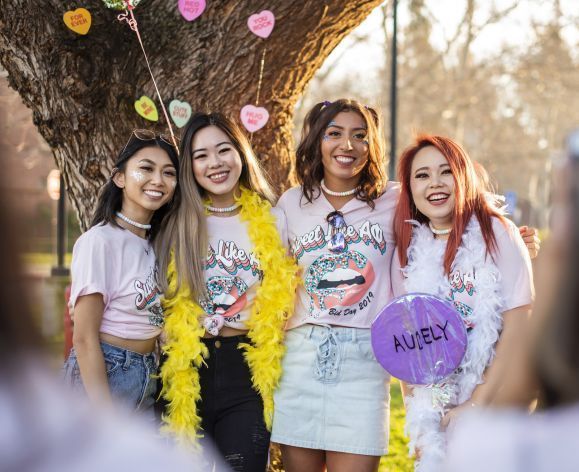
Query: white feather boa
[[425, 273]]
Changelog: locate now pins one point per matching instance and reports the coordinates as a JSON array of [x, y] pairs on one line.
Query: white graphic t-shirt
[[350, 287], [122, 267], [512, 261], [232, 272]]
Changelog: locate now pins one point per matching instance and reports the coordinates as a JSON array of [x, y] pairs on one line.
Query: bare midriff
[[142, 346]]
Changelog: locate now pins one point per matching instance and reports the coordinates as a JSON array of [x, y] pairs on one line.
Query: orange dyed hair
[[470, 189]]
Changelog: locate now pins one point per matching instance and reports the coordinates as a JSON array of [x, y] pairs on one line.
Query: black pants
[[231, 410]]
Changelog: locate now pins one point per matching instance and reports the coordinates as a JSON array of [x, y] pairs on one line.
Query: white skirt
[[333, 394]]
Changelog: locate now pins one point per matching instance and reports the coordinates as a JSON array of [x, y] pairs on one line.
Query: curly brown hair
[[309, 165]]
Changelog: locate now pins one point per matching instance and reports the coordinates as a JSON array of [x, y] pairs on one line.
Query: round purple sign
[[419, 338]]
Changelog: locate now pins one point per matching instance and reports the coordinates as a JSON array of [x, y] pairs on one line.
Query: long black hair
[[111, 197]]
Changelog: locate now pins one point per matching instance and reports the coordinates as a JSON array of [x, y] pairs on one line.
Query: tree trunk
[[82, 88]]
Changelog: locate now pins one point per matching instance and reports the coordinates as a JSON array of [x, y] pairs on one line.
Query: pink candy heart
[[191, 9], [261, 23], [213, 324], [253, 118]]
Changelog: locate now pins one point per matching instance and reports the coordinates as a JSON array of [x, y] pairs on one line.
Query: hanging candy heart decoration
[[78, 20], [254, 118], [147, 108], [262, 23], [191, 9], [213, 324], [180, 112]]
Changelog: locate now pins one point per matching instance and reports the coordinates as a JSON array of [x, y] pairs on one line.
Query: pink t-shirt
[[232, 272], [512, 261], [121, 266], [348, 288]]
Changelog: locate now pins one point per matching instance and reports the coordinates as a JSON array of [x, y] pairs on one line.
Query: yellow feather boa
[[273, 303]]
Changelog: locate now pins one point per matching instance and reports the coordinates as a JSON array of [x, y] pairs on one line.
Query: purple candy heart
[[419, 338]]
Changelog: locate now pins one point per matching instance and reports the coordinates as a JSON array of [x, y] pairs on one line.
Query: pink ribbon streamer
[[132, 22]]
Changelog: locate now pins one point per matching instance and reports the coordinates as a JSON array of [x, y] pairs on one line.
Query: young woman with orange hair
[[453, 241]]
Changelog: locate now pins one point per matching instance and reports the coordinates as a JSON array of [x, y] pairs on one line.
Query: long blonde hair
[[183, 234]]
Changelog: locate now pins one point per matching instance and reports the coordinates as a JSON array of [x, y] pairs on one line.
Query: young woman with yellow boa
[[224, 337]]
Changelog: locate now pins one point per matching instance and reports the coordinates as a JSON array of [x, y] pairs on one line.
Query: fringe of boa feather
[[425, 273], [272, 305]]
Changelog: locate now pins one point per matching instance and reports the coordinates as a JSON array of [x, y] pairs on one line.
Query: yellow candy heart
[[78, 20], [146, 108]]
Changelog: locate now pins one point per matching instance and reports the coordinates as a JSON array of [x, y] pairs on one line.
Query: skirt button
[[218, 344]]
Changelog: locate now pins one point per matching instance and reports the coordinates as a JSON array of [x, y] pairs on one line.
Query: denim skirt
[[333, 394], [132, 376]]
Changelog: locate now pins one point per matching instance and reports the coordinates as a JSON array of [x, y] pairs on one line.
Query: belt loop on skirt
[[327, 362]]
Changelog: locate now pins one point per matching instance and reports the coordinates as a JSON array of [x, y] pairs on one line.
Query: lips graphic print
[[338, 280], [226, 296]]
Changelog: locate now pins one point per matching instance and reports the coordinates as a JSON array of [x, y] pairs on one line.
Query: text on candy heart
[[253, 117], [78, 19], [191, 6], [260, 23]]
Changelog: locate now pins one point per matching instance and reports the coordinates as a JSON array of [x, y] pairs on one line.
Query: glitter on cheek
[[174, 183], [138, 176], [325, 137]]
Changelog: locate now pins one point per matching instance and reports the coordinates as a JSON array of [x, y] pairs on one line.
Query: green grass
[[397, 459]]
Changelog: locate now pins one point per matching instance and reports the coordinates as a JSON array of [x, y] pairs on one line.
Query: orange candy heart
[[78, 20]]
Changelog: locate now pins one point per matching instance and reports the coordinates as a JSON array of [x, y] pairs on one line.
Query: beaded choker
[[439, 232], [346, 193], [229, 209], [136, 224]]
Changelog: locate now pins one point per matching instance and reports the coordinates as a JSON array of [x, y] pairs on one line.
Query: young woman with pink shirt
[[224, 343], [332, 406], [453, 242], [115, 295]]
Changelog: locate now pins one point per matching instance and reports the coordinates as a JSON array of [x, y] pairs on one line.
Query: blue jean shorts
[[333, 394], [132, 376]]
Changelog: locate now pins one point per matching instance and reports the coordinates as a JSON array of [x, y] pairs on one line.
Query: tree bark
[[82, 88]]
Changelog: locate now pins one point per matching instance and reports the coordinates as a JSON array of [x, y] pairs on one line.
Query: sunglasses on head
[[337, 243], [150, 135]]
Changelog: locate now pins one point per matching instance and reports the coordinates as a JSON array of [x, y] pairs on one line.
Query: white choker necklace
[[233, 207], [131, 222], [439, 232], [347, 193]]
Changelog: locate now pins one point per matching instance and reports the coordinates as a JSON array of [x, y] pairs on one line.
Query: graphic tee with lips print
[[232, 272], [347, 288]]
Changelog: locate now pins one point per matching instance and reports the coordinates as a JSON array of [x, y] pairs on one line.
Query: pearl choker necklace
[[347, 193], [132, 222], [439, 232], [233, 207]]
